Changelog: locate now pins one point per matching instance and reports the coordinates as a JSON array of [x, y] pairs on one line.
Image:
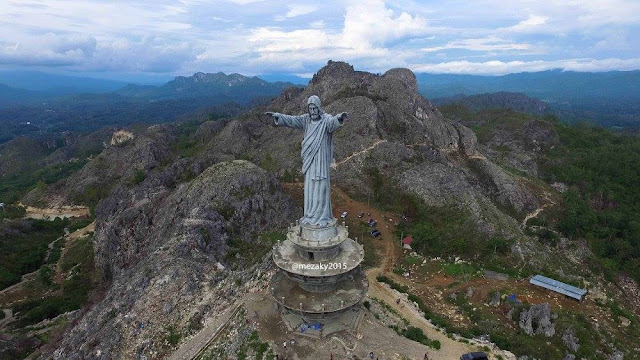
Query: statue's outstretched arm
[[296, 122], [336, 121]]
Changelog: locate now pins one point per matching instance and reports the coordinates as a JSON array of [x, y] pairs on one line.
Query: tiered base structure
[[319, 279]]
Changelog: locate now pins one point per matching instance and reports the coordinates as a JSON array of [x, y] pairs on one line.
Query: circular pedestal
[[348, 255], [346, 294]]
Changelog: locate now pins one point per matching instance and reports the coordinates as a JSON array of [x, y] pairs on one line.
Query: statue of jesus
[[317, 154]]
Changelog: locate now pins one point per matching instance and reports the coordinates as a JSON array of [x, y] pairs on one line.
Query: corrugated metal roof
[[558, 286]]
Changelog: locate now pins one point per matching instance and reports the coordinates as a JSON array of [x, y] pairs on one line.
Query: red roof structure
[[408, 240]]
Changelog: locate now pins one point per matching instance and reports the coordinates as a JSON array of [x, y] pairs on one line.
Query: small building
[[559, 287]]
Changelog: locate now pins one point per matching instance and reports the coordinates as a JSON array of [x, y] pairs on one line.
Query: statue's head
[[314, 108]]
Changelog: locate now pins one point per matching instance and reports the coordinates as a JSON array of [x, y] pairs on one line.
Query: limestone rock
[[162, 252], [537, 320], [570, 340], [617, 355], [121, 136], [495, 299]]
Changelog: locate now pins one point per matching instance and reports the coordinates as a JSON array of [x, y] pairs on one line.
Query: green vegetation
[[173, 336], [394, 285], [56, 251], [416, 334], [45, 275], [14, 186], [446, 231], [361, 231], [138, 177], [257, 347], [460, 269], [241, 252], [388, 308], [79, 252], [603, 202], [23, 247], [269, 163], [10, 211], [75, 288], [91, 194]]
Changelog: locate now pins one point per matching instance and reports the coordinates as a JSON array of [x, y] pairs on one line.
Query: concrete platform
[[290, 296], [321, 238], [349, 256], [349, 320]]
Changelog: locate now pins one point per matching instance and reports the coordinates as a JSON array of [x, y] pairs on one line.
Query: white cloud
[[300, 9], [271, 40], [245, 2], [490, 43], [319, 24], [374, 35], [369, 23], [81, 52], [368, 27], [496, 67], [49, 50], [533, 23]]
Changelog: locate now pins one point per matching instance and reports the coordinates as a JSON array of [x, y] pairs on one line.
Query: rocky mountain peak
[[334, 69], [216, 78], [406, 76]]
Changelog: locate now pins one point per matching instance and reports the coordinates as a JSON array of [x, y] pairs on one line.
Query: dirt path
[[356, 154], [67, 238], [390, 251], [52, 213], [8, 316], [450, 349], [192, 348], [532, 215], [30, 276]]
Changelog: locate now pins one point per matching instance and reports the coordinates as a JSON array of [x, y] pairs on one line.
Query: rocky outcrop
[[537, 320], [570, 339], [392, 128], [121, 136], [116, 165], [502, 99], [519, 146], [163, 252]]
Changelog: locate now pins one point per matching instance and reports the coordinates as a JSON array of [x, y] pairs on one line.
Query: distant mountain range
[[552, 86], [55, 84], [607, 98], [11, 95], [501, 100], [234, 87], [38, 113], [32, 87]]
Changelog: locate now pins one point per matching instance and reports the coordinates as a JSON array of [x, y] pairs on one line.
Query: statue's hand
[[343, 116], [272, 115]]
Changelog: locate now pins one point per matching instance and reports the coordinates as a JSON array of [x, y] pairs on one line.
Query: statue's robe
[[317, 154]]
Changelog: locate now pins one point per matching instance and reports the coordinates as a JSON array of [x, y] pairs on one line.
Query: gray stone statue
[[317, 155]]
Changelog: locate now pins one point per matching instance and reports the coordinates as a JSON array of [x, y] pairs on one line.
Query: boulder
[[537, 320]]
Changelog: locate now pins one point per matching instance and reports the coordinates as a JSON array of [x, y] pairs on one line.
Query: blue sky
[[158, 38]]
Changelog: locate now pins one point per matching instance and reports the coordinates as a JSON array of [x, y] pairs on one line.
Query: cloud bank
[[257, 37]]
